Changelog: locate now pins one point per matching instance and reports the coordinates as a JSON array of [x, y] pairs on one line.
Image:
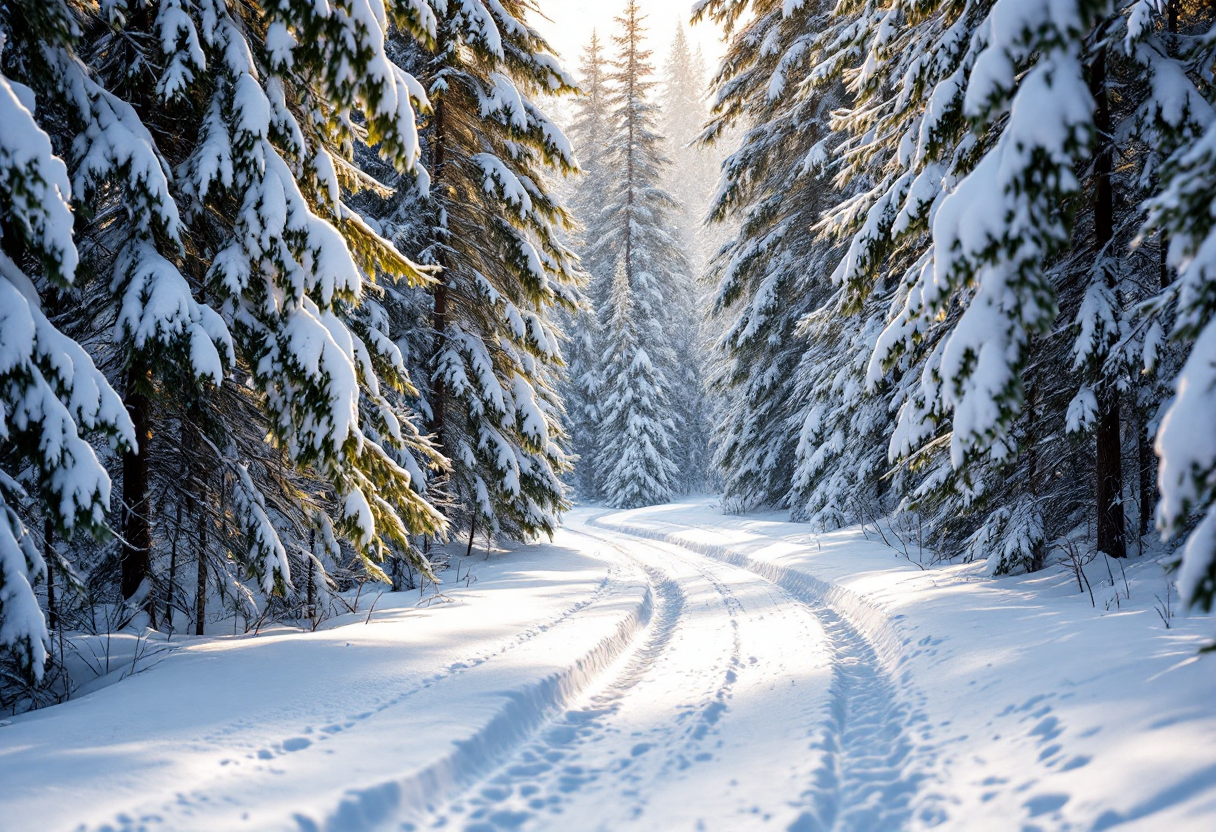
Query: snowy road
[[751, 677], [713, 719]]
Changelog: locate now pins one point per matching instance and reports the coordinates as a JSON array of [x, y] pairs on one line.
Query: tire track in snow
[[525, 711], [705, 716], [525, 715], [593, 745], [541, 766], [864, 784], [333, 726]]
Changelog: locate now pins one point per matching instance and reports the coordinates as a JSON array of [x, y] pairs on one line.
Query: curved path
[[743, 705]]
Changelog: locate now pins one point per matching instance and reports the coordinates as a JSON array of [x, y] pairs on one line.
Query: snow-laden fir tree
[[287, 261], [970, 122], [651, 287], [1040, 109], [210, 155], [493, 226], [50, 391], [690, 178], [638, 468], [978, 200], [589, 131], [773, 191], [1186, 439], [908, 139]]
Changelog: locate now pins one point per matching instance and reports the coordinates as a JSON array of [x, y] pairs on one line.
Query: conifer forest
[[626, 415]]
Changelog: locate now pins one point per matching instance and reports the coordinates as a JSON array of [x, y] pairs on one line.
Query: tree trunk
[[1148, 495], [1164, 242], [1109, 468], [198, 487], [177, 531], [48, 550], [1110, 477], [312, 552], [136, 528], [1032, 441], [440, 317], [200, 589]]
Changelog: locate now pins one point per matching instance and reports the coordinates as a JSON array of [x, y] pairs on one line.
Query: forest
[[297, 296]]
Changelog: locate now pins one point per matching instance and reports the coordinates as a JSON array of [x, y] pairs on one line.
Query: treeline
[[973, 281], [278, 291]]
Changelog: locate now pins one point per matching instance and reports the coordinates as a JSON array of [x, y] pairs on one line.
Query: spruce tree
[[211, 166], [977, 203], [773, 191], [638, 468], [693, 173], [1186, 439], [50, 390], [589, 131], [650, 285], [491, 225], [690, 178]]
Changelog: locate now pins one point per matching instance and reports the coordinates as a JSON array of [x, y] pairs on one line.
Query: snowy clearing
[[659, 669]]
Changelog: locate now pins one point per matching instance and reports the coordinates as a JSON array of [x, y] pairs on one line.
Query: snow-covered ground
[[662, 669]]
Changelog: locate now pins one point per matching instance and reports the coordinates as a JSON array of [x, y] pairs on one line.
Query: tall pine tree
[[589, 130], [650, 284], [491, 225], [50, 390]]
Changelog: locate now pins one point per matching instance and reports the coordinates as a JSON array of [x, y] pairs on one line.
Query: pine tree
[[50, 390], [638, 468], [649, 287], [690, 179], [1186, 442], [492, 226], [773, 188], [589, 132], [165, 339], [977, 201], [211, 162], [693, 172]]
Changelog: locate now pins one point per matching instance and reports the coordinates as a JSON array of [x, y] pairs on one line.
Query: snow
[[157, 306], [318, 346], [34, 181], [1025, 718], [22, 627], [662, 668], [1186, 446], [254, 720], [116, 143], [501, 181], [180, 45]]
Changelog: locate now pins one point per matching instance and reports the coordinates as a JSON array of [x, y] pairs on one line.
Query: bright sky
[[571, 21]]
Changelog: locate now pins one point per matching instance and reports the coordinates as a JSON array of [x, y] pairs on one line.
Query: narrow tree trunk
[[177, 531], [440, 316], [48, 551], [312, 552], [136, 528], [472, 531], [199, 484], [200, 590], [1110, 477], [1164, 243], [1109, 468], [1032, 441], [1148, 495]]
